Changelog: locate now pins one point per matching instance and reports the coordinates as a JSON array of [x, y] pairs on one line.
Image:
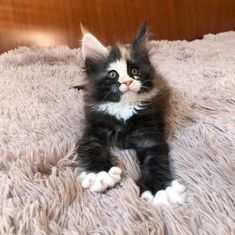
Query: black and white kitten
[[122, 108]]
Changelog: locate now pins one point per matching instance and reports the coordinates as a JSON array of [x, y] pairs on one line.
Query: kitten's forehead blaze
[[125, 54], [120, 64]]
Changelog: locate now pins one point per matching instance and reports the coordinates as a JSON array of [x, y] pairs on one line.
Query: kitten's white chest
[[127, 112], [129, 105], [119, 110]]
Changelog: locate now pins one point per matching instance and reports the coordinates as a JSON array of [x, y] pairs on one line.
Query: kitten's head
[[120, 71]]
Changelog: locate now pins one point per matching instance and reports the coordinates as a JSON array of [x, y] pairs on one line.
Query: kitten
[[123, 109]]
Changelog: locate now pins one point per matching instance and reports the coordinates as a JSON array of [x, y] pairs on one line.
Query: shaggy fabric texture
[[41, 119]]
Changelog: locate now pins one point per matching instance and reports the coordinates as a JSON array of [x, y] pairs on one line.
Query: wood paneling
[[53, 22]]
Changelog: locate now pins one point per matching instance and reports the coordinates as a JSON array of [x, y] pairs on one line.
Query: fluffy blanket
[[41, 119]]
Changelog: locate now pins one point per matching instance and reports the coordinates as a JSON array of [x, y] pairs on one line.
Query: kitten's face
[[118, 72]]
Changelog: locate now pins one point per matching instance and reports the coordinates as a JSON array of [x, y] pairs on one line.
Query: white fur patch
[[129, 104], [101, 181], [121, 110], [174, 194]]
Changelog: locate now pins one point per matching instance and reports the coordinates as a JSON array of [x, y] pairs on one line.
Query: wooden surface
[[53, 22]]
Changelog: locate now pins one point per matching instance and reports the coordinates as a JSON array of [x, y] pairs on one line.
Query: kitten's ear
[[141, 37], [91, 46]]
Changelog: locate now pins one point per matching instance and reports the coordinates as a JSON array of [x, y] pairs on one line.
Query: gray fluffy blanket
[[41, 119]]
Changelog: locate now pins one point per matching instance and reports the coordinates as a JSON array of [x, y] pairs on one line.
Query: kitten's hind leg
[[154, 165], [156, 185], [100, 170]]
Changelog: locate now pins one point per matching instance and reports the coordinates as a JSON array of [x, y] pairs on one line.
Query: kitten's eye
[[113, 74], [135, 71]]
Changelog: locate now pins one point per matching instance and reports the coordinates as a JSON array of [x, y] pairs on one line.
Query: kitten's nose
[[128, 82]]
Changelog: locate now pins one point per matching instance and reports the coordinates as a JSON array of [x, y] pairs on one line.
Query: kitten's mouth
[[127, 89]]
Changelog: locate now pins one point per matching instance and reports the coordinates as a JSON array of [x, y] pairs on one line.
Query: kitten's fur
[[125, 119]]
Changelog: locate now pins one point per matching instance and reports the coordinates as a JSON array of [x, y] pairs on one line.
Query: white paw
[[147, 196], [161, 197], [174, 194], [99, 182]]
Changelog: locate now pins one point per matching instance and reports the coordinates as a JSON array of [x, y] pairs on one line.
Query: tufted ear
[[91, 46], [141, 37]]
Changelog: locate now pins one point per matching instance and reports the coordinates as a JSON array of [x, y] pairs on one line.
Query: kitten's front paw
[[99, 182], [174, 194]]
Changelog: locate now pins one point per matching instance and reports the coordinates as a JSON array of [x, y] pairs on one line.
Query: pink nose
[[128, 82]]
